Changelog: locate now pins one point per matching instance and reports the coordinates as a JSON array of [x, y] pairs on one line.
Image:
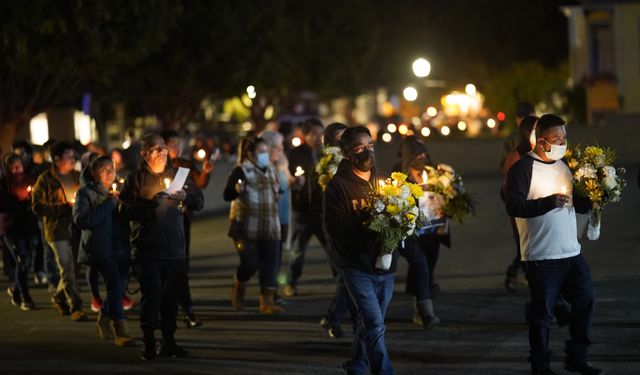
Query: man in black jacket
[[158, 242], [306, 202], [354, 251]]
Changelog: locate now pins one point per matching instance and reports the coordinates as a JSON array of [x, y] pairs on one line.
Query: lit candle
[[167, 182], [29, 188], [299, 171], [121, 181], [424, 177], [114, 186], [201, 154]]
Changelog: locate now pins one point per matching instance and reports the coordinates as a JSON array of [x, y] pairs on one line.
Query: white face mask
[[557, 152], [262, 159]]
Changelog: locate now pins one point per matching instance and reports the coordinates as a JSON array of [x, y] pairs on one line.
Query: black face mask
[[364, 161]]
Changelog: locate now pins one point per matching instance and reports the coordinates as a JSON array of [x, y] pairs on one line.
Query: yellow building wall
[[627, 39]]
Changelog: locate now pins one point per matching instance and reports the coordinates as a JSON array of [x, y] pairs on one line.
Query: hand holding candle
[[167, 183], [299, 171], [240, 186]]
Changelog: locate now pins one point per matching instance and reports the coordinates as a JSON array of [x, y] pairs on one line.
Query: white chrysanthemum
[[405, 192], [609, 171], [446, 168], [379, 206], [587, 171], [610, 182], [444, 180]]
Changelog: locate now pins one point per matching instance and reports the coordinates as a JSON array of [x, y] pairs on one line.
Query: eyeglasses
[[158, 149], [360, 148]]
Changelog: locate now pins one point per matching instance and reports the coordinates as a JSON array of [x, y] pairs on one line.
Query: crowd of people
[[116, 221]]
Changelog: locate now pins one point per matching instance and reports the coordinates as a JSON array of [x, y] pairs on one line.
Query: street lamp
[[410, 93], [421, 68]]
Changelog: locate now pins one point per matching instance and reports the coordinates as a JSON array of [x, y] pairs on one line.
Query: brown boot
[[121, 333], [237, 294], [104, 331], [267, 306]]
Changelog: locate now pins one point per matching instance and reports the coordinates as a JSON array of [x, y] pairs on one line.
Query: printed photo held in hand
[[445, 182], [395, 214], [328, 165], [596, 178]]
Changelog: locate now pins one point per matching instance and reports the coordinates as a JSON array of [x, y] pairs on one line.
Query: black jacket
[[352, 244], [157, 227], [309, 197], [24, 222]]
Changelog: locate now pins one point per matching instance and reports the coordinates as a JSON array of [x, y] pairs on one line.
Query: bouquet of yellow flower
[[444, 181], [394, 214], [594, 177], [328, 165]]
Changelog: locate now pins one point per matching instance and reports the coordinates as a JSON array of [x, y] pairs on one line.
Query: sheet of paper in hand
[[178, 181]]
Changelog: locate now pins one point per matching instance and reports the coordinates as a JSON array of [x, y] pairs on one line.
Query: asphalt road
[[482, 330]]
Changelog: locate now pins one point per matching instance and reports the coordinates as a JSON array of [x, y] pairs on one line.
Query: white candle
[[114, 186], [299, 171], [424, 177]]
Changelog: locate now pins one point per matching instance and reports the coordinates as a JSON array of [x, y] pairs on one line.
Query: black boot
[[425, 309], [149, 351], [169, 348], [190, 318]]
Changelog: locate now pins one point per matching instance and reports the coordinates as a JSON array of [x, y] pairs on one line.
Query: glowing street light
[[432, 111], [462, 126], [470, 89], [391, 128], [445, 130], [421, 67], [296, 141], [386, 137], [410, 93], [491, 123], [403, 129], [425, 132]]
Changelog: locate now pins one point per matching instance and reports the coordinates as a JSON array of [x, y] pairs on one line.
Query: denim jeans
[[306, 226], [263, 255], [341, 303], [110, 272], [67, 286], [422, 254], [19, 260], [370, 294], [547, 279], [49, 258]]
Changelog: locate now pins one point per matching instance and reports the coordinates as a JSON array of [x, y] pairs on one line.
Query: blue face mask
[[262, 159]]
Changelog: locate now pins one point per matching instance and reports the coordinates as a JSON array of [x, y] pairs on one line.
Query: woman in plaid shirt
[[255, 225]]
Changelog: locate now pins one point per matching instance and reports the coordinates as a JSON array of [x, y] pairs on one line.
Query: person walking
[[354, 251], [158, 242], [104, 245], [254, 187], [539, 194], [52, 199]]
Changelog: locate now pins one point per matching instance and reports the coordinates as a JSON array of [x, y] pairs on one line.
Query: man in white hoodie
[[540, 196]]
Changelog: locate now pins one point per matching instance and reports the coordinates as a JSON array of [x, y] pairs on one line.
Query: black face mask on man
[[363, 161]]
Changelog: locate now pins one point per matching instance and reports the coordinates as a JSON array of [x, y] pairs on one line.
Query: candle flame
[[29, 188], [424, 177], [299, 171], [167, 182], [114, 186], [201, 154]]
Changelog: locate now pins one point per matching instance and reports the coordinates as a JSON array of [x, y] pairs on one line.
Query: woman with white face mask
[[255, 225]]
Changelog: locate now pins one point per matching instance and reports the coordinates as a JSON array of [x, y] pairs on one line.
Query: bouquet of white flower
[[328, 165], [595, 178], [394, 214], [444, 181]]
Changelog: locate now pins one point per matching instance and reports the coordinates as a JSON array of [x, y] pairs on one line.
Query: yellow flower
[[593, 151], [411, 201], [400, 177], [411, 217], [573, 163], [416, 190], [591, 184], [390, 190], [595, 195], [568, 154], [393, 209]]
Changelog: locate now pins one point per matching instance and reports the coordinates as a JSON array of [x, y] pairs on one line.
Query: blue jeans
[[547, 279], [110, 272], [259, 254], [370, 295]]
